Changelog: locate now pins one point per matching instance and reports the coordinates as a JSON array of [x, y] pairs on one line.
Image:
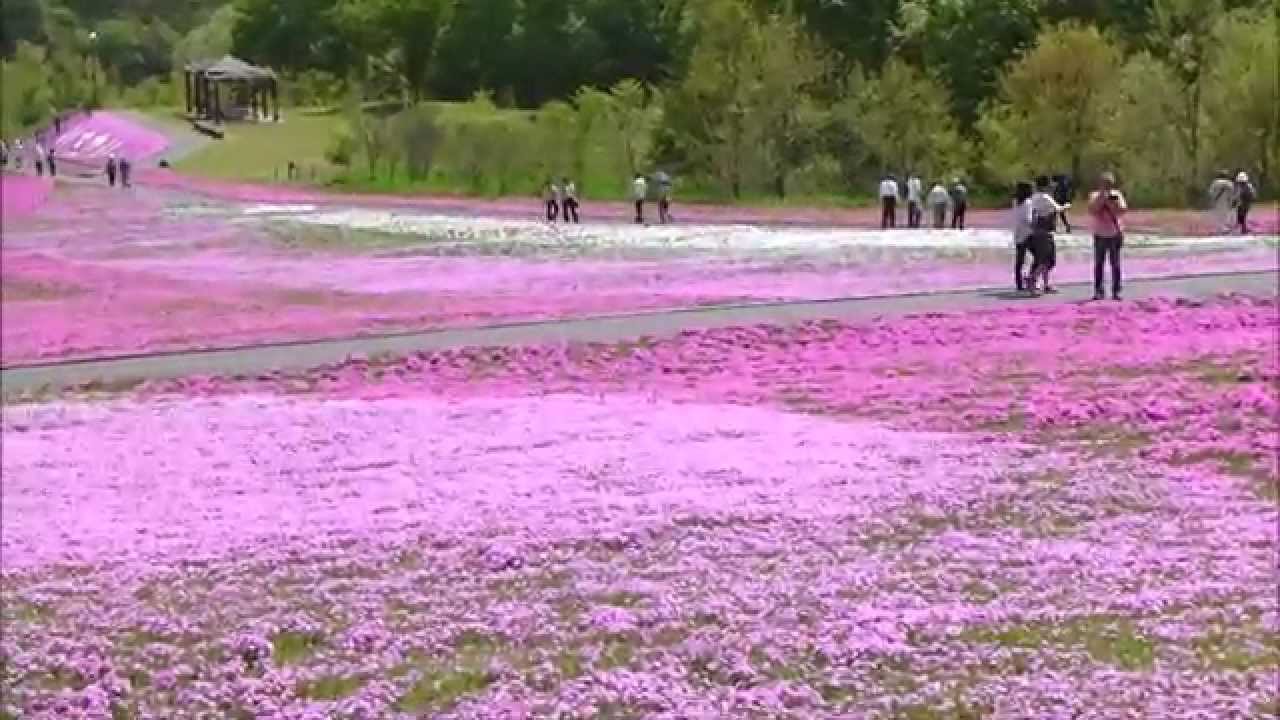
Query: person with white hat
[[1221, 199], [1244, 197]]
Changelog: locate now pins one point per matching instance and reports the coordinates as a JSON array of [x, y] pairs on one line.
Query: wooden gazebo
[[251, 91]]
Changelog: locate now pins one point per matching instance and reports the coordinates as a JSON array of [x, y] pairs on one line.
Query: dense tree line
[[740, 96]]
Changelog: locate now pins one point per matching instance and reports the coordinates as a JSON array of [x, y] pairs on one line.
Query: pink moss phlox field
[[175, 272], [1048, 513], [93, 138], [22, 195]]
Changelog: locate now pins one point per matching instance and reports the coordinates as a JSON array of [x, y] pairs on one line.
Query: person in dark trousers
[[126, 170], [37, 155], [888, 202], [1045, 212], [959, 204], [664, 198], [1021, 233], [53, 162], [570, 209], [112, 167], [551, 200], [1245, 196], [915, 201], [1062, 194], [639, 193], [1107, 208]]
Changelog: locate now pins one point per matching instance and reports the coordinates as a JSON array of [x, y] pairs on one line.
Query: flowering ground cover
[[1059, 512], [21, 195], [98, 272]]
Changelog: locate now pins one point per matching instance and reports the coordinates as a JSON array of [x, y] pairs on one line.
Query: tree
[[966, 43], [787, 68], [20, 20], [418, 134], [26, 91], [1142, 145], [292, 35], [1053, 102], [904, 117], [402, 34], [1184, 37], [474, 48], [1242, 107], [211, 39]]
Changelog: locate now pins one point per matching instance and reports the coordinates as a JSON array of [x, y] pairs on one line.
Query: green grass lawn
[[262, 152]]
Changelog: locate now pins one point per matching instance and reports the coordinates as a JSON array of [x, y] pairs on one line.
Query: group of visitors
[[119, 168], [940, 200], [661, 190], [1232, 201], [1037, 212], [561, 199], [33, 153], [561, 202]]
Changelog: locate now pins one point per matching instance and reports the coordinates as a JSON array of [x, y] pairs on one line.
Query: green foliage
[[1242, 100], [27, 94], [1053, 105], [902, 116]]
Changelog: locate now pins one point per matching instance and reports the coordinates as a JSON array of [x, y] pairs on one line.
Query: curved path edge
[[17, 381]]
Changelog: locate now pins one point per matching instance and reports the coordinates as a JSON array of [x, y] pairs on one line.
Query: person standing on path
[[639, 193], [1063, 191], [664, 197], [1245, 195], [1221, 199], [53, 162], [112, 166], [126, 169], [888, 202], [37, 158], [959, 204], [939, 198], [915, 201], [1107, 208], [570, 210], [1021, 233], [550, 200], [1045, 212]]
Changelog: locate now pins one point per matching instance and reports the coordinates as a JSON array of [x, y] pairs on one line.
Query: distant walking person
[[664, 197], [959, 204], [1107, 208], [1245, 195], [1045, 212], [37, 158], [53, 162], [551, 200], [639, 193], [1063, 192], [126, 171], [1222, 193], [888, 202], [939, 198], [915, 201], [570, 209], [1021, 233], [112, 167], [4, 154]]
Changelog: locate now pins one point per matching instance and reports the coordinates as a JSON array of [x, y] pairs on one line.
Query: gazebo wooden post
[[186, 88], [217, 102], [253, 99], [275, 100]]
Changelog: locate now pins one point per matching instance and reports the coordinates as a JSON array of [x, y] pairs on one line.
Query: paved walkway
[[303, 355]]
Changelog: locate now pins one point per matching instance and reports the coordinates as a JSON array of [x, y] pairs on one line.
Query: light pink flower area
[[95, 137], [102, 273], [1051, 513]]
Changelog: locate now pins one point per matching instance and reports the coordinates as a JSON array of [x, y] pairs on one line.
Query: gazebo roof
[[231, 68]]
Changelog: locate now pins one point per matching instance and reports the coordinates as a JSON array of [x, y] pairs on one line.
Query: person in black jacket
[[1063, 191]]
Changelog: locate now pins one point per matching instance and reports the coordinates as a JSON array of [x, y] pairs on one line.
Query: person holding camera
[[1107, 208]]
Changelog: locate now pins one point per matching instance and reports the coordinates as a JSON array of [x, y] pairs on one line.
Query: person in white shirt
[[915, 200], [551, 198], [1107, 208], [1221, 196], [888, 202], [939, 199], [37, 157], [1044, 222], [639, 192], [1021, 232], [569, 209]]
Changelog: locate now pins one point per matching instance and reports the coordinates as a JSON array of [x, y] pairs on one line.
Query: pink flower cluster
[[1053, 513]]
